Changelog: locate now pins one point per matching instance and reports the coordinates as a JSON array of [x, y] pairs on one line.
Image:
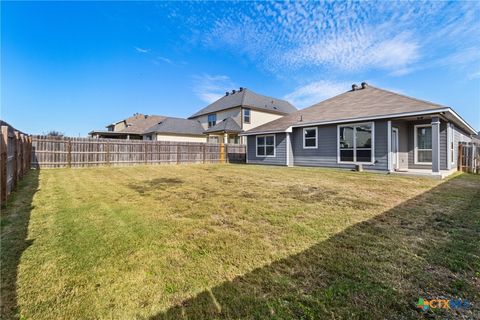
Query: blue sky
[[75, 67]]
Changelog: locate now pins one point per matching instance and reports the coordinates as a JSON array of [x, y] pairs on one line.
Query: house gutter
[[405, 114]]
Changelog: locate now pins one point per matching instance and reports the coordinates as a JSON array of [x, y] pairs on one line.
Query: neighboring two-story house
[[221, 121], [239, 111]]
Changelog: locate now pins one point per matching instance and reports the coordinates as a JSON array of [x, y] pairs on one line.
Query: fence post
[[204, 152], [4, 155], [145, 146], [19, 137], [30, 153], [69, 153], [222, 152], [15, 160], [24, 154], [178, 153], [227, 160], [108, 153], [472, 162]]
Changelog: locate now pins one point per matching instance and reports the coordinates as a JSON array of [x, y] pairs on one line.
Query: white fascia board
[[388, 116]]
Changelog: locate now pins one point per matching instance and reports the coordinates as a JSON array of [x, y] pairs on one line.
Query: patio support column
[[449, 144], [389, 144], [225, 138], [435, 145], [288, 153]]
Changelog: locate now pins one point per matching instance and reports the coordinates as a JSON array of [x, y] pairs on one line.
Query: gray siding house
[[380, 129]]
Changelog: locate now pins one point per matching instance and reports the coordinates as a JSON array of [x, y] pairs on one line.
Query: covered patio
[[423, 145], [226, 131]]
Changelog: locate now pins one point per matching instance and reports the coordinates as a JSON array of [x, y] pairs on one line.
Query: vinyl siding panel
[[325, 155], [257, 118], [280, 151], [443, 146]]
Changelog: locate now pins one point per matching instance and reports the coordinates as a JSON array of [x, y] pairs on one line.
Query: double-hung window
[[355, 143], [423, 144], [310, 137], [212, 120], [246, 115], [266, 146]]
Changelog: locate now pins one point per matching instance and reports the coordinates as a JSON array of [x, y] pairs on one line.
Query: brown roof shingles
[[140, 123], [361, 103]]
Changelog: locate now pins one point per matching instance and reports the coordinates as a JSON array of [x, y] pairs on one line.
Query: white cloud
[[142, 50], [397, 37], [210, 88], [394, 53], [357, 52], [315, 92], [165, 60], [473, 75]]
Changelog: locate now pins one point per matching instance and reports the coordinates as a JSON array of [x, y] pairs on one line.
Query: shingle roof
[[247, 98], [368, 102], [177, 126], [227, 125], [139, 123]]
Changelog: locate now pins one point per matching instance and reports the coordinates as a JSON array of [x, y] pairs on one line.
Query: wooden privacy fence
[[61, 152], [469, 157], [15, 159]]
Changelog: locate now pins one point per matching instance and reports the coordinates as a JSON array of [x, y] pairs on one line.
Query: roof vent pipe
[[233, 91], [241, 89], [354, 87], [364, 85], [227, 93]]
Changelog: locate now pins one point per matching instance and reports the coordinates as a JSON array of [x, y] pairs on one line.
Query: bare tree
[[54, 133]]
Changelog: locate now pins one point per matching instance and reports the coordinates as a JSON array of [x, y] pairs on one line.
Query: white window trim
[[249, 116], [355, 143], [316, 137], [274, 146], [415, 145], [208, 120]]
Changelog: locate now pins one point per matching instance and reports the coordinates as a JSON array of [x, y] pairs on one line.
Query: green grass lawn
[[237, 241]]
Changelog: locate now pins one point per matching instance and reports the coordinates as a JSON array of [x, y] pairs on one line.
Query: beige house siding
[[258, 118], [119, 126], [182, 138], [234, 113]]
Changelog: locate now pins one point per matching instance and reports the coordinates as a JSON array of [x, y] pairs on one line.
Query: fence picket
[[469, 157], [14, 159], [58, 152]]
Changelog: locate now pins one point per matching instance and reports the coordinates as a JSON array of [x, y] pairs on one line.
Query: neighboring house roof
[[227, 125], [140, 124], [363, 103], [136, 125], [247, 98], [172, 125]]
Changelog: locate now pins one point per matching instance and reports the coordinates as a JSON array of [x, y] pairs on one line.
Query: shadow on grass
[[14, 220], [378, 269]]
